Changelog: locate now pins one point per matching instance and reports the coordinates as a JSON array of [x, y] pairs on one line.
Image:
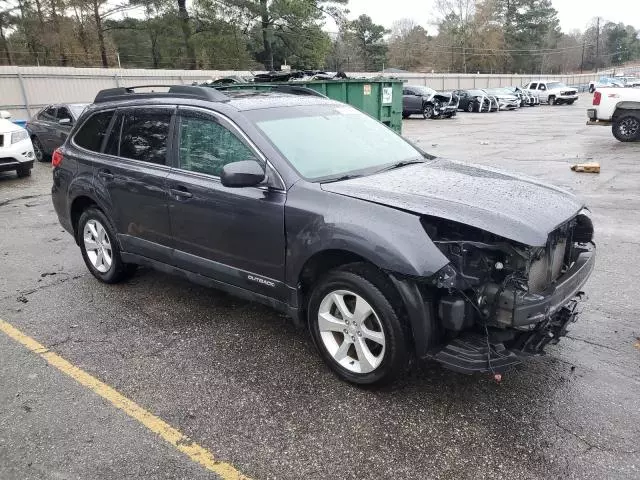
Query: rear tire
[[23, 172], [470, 107], [552, 100], [100, 250], [626, 128], [368, 344]]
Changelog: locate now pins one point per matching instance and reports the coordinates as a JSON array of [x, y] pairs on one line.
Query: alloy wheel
[[37, 150], [98, 246], [629, 127], [351, 331]]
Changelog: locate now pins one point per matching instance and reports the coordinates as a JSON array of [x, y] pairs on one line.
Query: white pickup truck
[[553, 93], [620, 108]]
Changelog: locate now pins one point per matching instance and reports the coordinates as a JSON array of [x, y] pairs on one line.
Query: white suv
[[16, 150], [552, 92]]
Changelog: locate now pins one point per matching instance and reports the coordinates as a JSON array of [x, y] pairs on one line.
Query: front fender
[[392, 239]]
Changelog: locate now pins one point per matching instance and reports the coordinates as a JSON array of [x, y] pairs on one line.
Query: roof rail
[[291, 89], [182, 91]]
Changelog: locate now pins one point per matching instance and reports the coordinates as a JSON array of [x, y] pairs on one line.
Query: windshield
[[324, 142], [426, 91], [477, 93], [77, 108], [552, 85]]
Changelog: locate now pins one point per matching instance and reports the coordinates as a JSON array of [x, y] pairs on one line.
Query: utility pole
[[597, 43], [452, 58], [582, 61]]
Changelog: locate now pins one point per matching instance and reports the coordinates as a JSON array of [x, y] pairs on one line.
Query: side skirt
[[211, 283]]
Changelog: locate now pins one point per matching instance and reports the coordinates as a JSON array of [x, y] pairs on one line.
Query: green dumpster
[[380, 98]]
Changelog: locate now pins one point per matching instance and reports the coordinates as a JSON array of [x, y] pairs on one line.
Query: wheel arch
[[78, 203], [322, 262], [413, 308], [625, 106]]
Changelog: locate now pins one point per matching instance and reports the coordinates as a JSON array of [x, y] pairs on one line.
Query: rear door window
[[48, 114], [92, 132], [113, 142], [145, 135], [64, 113], [533, 86]]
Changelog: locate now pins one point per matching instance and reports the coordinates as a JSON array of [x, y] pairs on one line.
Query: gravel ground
[[240, 380]]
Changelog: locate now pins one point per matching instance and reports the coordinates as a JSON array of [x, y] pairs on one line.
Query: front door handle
[[181, 193], [105, 175]]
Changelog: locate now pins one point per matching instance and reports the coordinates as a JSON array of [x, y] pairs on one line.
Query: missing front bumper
[[491, 353], [524, 310]]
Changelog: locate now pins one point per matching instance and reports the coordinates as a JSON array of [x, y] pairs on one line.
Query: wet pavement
[[241, 381]]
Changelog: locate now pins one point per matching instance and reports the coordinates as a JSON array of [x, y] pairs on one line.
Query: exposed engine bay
[[497, 298]]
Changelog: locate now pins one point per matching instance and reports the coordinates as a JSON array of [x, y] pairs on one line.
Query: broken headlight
[[476, 256]]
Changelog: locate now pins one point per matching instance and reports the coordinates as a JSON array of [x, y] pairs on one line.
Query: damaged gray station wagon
[[382, 251]]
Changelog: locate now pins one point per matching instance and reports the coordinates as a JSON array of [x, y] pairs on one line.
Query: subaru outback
[[383, 252]]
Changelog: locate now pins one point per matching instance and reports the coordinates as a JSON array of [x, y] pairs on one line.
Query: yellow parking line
[[180, 441]]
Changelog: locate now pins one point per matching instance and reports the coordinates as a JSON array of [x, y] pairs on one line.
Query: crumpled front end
[[445, 104], [498, 300]]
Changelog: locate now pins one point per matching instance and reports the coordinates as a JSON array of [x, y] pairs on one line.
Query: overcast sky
[[572, 13]]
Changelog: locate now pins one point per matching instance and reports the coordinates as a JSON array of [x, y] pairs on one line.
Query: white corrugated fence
[[25, 90]]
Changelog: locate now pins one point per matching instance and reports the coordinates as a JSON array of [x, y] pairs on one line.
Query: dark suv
[[314, 208]]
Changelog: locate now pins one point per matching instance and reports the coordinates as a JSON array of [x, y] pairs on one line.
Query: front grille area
[[569, 92], [548, 267]]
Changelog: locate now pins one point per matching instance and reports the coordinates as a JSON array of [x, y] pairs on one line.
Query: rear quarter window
[[92, 132]]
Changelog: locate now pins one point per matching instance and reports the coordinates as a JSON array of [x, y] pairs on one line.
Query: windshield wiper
[[403, 163], [344, 177]]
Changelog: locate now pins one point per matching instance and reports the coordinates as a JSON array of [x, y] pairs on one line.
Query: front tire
[[23, 172], [355, 328], [100, 250], [427, 111], [470, 107], [38, 150], [626, 128], [552, 100]]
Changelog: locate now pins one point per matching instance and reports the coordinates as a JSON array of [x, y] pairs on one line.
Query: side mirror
[[5, 114], [247, 173], [64, 121]]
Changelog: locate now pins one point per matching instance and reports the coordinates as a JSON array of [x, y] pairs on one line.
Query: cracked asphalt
[[241, 381]]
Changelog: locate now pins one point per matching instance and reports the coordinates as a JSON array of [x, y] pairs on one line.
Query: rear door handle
[[105, 174], [181, 192]]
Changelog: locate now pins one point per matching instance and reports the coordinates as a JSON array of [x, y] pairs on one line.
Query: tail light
[[56, 158], [596, 98]]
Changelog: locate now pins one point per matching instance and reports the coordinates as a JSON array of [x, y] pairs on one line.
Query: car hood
[[514, 207], [7, 126]]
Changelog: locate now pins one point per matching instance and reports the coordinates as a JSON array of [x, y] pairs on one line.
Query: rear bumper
[[592, 114]]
